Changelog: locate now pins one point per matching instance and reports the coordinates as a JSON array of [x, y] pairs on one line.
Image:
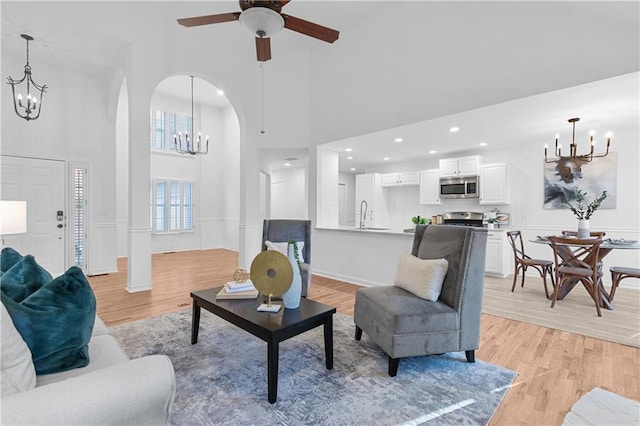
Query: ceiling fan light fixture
[[261, 21]]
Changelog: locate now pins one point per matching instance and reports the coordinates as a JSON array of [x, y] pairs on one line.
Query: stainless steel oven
[[462, 187]]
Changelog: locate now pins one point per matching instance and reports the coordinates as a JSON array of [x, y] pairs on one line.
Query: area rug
[[601, 407], [222, 380]]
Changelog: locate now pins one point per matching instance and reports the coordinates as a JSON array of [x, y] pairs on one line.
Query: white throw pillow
[[282, 248], [422, 277], [18, 372]]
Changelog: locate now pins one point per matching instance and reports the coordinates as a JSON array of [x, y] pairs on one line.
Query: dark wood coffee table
[[273, 328]]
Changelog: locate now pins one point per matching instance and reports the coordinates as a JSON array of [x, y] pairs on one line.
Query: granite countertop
[[366, 230]]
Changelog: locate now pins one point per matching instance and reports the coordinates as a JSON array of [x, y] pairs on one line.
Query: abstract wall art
[[563, 178]]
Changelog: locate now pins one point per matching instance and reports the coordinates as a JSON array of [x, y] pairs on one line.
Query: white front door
[[41, 183]]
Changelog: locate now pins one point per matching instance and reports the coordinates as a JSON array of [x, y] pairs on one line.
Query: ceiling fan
[[264, 19]]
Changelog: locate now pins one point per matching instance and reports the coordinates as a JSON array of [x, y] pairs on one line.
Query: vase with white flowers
[[584, 211]]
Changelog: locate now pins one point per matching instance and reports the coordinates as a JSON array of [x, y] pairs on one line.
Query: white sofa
[[111, 390]]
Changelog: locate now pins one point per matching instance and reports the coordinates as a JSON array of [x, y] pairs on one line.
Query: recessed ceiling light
[[397, 140], [353, 169], [433, 151], [287, 164], [454, 129], [386, 158], [350, 158], [220, 92], [483, 144], [348, 150]]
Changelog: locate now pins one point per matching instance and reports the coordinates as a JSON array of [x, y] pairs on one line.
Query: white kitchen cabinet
[[400, 179], [495, 188], [499, 257], [430, 187], [369, 189], [460, 166]]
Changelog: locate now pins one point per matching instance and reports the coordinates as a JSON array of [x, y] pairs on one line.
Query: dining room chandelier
[[29, 107], [187, 145], [573, 148]]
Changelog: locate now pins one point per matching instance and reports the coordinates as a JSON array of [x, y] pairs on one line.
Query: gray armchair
[[405, 325], [283, 230]]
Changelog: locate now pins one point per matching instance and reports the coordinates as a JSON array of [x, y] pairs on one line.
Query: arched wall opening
[[213, 178]]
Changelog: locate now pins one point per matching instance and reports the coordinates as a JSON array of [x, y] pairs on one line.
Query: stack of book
[[235, 290]]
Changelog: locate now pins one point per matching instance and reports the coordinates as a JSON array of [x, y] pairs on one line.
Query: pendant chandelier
[[573, 148], [185, 144], [28, 108]]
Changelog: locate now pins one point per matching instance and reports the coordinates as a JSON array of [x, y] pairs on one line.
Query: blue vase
[[291, 297]]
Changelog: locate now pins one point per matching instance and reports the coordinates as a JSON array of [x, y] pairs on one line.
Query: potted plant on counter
[[417, 220], [583, 212], [491, 222]]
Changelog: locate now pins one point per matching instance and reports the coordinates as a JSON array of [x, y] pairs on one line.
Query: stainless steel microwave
[[462, 187]]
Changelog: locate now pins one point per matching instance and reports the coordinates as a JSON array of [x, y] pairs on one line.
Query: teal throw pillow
[[56, 322], [24, 278], [8, 258]]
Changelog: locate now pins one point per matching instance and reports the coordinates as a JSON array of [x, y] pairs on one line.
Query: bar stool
[[618, 273]]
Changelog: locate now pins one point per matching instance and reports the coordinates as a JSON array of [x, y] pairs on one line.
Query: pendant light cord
[[192, 131], [262, 98]]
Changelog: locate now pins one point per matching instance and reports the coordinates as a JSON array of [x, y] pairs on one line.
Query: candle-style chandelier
[[28, 108], [573, 148], [185, 144]]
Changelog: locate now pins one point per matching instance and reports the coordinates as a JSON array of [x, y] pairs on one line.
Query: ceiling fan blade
[[263, 48], [309, 28], [209, 19]]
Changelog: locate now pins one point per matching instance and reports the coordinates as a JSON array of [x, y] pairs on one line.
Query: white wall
[[122, 171], [325, 191], [76, 124]]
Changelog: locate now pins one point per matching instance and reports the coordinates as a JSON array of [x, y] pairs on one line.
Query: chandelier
[[573, 148], [185, 144], [28, 108]]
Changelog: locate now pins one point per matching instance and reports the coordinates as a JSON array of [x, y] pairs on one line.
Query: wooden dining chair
[[618, 273], [577, 259], [599, 234], [522, 262]]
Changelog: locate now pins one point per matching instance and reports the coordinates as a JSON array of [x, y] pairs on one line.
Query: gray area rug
[[222, 380]]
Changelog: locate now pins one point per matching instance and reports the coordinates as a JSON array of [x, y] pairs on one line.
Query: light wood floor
[[555, 368]]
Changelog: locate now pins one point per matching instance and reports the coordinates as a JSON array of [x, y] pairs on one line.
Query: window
[[77, 218], [171, 206], [163, 125]]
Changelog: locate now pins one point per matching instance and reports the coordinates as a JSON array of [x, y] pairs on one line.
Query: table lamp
[[13, 218]]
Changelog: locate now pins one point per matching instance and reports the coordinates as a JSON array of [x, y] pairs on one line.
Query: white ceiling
[[417, 67], [604, 107]]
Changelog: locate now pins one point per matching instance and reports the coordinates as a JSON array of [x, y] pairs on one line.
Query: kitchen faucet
[[363, 213]]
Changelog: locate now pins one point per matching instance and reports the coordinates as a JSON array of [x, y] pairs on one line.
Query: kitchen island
[[361, 256]]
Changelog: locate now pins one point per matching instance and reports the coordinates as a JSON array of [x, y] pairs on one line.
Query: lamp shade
[[13, 217], [261, 21]]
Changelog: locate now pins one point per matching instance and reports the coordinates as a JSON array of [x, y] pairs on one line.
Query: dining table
[[607, 246]]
